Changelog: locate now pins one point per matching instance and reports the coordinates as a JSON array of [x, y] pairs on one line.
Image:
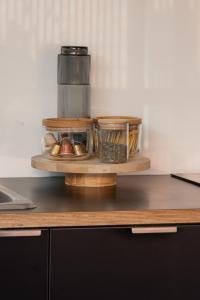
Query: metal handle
[[148, 230], [19, 233]]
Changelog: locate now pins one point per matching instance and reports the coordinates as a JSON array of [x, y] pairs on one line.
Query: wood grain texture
[[93, 166], [114, 218], [136, 200], [131, 120], [66, 122], [91, 180]]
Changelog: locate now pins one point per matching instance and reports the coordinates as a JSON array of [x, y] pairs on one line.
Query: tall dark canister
[[73, 79]]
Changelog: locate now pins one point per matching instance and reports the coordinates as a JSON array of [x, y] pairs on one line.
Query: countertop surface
[[150, 199]]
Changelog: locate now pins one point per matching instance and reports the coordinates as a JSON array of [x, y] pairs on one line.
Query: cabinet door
[[114, 264], [23, 264]]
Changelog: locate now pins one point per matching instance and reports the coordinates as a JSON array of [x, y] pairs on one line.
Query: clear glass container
[[68, 138], [113, 140], [134, 132]]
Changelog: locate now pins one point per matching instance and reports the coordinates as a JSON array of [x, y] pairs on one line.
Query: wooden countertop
[[136, 200]]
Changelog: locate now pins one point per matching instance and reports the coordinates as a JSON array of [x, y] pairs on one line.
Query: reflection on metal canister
[[66, 149], [79, 149], [55, 150]]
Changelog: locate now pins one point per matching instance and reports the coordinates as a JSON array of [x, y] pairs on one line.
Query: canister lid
[[74, 50], [67, 122], [130, 120], [113, 124]]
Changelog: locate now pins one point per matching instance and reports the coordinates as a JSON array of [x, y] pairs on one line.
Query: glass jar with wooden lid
[[113, 140], [68, 138], [134, 132]]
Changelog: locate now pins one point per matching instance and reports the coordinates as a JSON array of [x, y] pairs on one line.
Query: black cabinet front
[[24, 264], [114, 264]]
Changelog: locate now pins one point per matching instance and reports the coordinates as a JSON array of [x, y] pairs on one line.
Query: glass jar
[[68, 138], [113, 139], [134, 132]]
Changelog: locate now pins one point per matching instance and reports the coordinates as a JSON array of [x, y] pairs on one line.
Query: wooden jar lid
[[113, 121], [67, 122], [131, 120], [113, 124]]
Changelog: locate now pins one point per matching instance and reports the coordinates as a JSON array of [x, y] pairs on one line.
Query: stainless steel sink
[[12, 200]]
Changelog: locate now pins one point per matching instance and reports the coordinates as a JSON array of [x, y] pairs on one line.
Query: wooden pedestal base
[[91, 172], [91, 180]]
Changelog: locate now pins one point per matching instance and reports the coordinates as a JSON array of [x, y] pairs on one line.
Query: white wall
[[145, 62]]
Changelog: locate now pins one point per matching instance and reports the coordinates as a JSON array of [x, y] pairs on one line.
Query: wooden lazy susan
[[69, 145], [90, 173]]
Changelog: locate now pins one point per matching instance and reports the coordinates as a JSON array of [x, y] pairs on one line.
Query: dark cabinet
[[115, 264], [24, 264], [100, 263]]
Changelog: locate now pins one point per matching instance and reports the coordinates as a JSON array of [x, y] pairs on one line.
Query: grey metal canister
[[73, 77]]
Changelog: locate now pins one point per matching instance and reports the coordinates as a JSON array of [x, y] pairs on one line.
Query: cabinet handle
[[148, 230], [19, 233]]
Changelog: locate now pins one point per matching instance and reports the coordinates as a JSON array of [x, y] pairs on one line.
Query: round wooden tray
[[91, 172]]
